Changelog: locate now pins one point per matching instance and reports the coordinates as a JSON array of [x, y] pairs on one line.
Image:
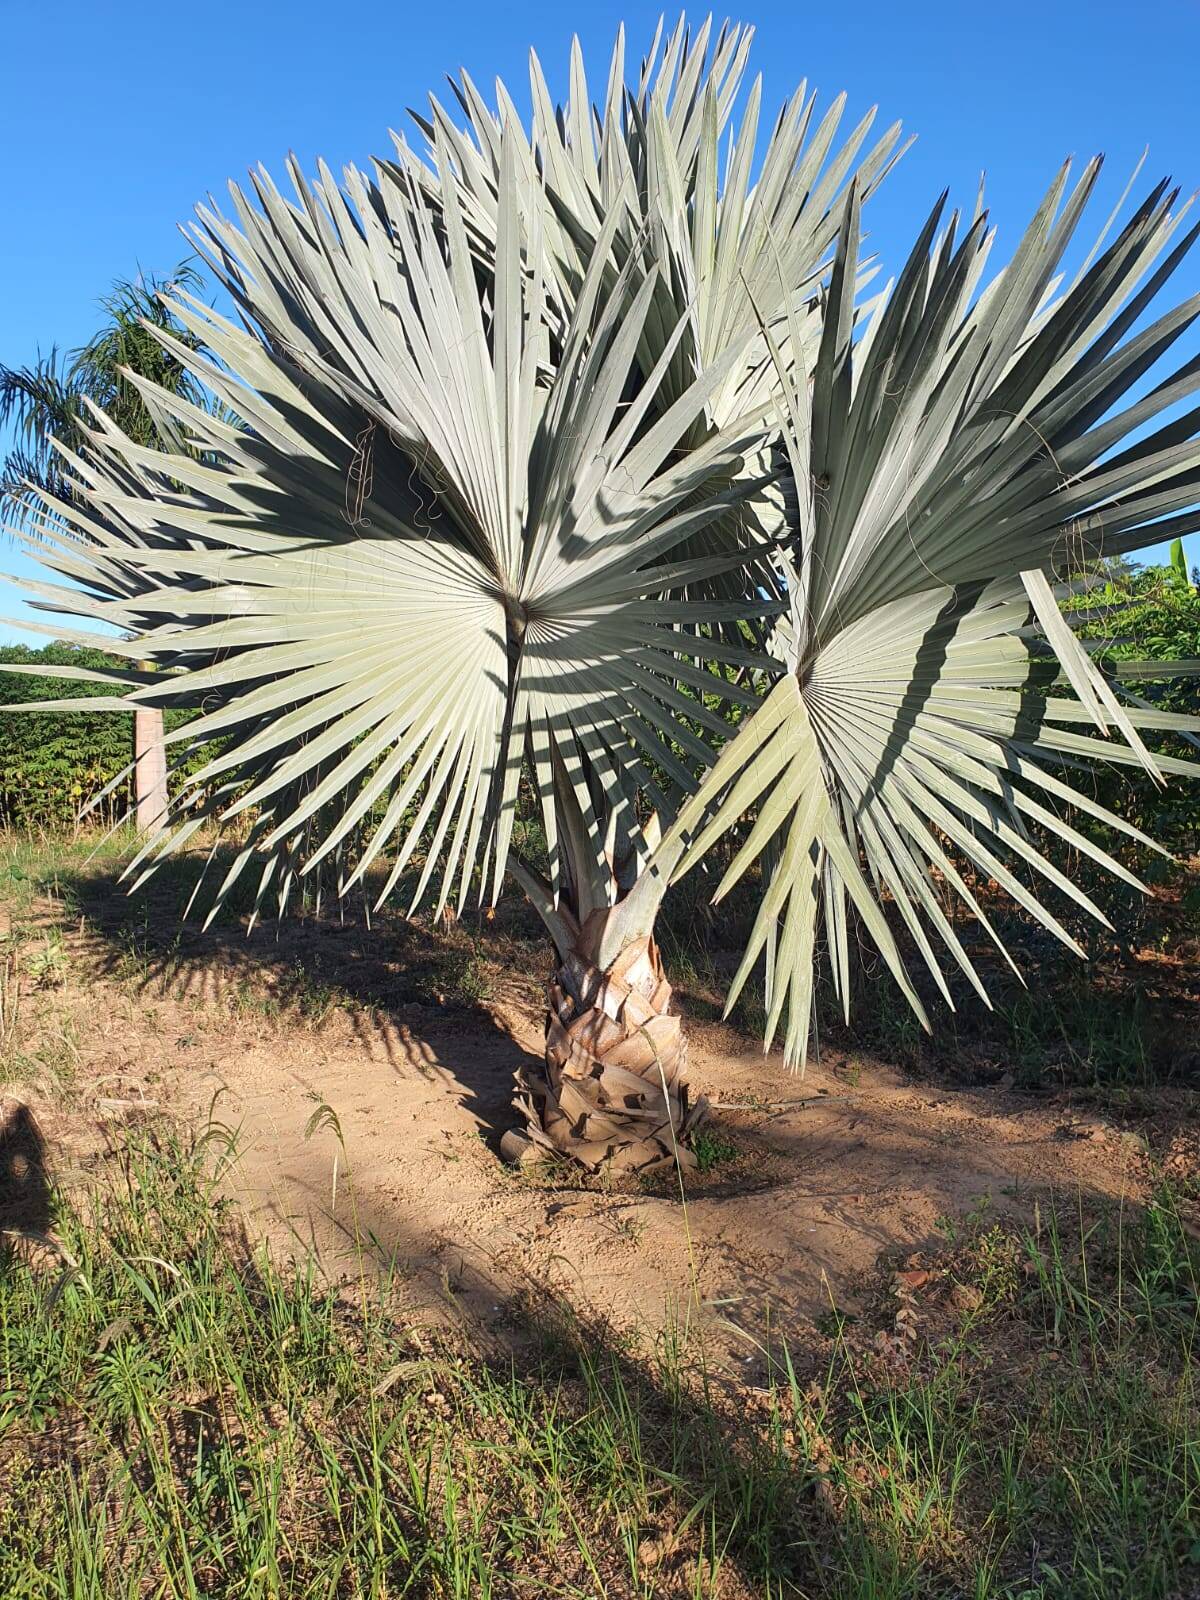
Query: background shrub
[[52, 765]]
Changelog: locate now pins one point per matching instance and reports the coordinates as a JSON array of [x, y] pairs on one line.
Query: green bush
[[53, 764], [1151, 613]]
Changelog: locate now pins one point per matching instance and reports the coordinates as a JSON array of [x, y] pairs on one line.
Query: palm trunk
[[149, 771], [613, 1092]]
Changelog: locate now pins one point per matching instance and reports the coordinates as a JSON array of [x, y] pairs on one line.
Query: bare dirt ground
[[818, 1177]]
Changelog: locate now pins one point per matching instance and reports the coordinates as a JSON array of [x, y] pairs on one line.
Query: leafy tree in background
[[560, 441], [51, 399], [52, 405], [52, 767], [1135, 617]]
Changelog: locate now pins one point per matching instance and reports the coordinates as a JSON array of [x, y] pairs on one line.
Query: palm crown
[[543, 453]]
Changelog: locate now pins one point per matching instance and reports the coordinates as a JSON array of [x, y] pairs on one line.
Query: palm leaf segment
[[404, 642], [727, 238], [734, 241], [969, 443]]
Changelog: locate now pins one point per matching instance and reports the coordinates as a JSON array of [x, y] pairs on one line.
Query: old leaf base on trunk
[[613, 1090]]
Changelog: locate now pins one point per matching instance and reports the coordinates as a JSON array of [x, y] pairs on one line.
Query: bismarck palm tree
[[49, 404], [563, 447]]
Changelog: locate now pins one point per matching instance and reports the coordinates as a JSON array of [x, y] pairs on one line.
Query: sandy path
[[819, 1191]]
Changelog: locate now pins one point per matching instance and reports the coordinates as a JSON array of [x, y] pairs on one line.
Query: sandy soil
[[830, 1170]]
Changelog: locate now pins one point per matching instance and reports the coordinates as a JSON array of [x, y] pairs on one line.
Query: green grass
[[1119, 1022], [182, 1416], [712, 1149], [1076, 1026], [47, 864], [49, 883]]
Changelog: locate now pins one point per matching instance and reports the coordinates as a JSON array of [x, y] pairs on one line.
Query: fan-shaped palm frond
[[721, 243], [729, 233], [943, 466], [420, 563]]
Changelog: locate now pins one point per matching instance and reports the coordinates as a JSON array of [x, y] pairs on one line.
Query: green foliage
[[712, 1149], [53, 764], [1179, 569], [48, 399], [1147, 614]]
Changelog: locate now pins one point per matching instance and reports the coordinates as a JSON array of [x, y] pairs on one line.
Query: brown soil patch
[[820, 1175]]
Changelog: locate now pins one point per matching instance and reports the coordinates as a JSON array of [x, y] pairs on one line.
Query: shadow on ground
[[25, 1199], [417, 989]]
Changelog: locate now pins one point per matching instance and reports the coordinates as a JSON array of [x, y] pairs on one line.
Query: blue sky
[[119, 117]]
